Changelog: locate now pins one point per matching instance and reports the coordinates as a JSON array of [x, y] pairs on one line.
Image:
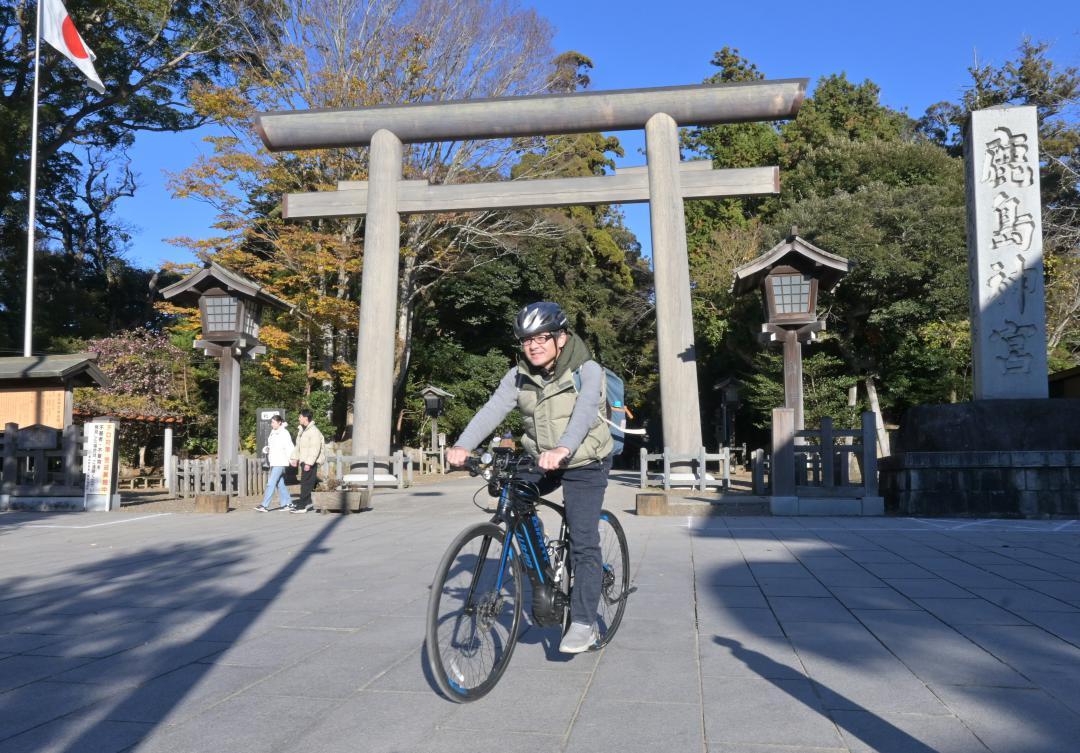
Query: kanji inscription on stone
[[1004, 223]]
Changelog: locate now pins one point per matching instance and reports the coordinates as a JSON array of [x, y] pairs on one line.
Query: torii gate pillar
[[680, 414], [374, 396]]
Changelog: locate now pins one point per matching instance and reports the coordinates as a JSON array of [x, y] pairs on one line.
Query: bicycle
[[474, 613]]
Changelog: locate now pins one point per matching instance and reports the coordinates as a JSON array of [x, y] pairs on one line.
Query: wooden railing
[[696, 464], [813, 463], [192, 477], [363, 470]]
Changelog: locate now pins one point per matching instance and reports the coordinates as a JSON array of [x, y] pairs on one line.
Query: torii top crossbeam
[[544, 114], [665, 182]]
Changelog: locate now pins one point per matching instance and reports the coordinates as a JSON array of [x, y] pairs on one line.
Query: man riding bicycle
[[559, 390]]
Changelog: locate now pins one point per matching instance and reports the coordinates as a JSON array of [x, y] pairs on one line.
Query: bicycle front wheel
[[474, 613]]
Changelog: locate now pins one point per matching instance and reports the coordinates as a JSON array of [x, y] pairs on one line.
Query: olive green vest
[[546, 406]]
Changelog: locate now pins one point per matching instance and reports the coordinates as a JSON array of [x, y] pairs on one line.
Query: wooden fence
[[192, 477], [815, 462], [41, 462], [696, 464], [358, 471]]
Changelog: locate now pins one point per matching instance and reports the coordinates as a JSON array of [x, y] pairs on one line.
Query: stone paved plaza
[[247, 632]]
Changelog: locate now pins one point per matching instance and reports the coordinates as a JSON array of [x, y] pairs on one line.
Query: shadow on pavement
[[798, 575], [892, 739], [161, 598]]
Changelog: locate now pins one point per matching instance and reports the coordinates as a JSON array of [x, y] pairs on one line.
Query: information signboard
[[100, 465]]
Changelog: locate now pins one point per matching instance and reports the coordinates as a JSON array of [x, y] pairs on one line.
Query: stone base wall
[[42, 504], [1029, 484]]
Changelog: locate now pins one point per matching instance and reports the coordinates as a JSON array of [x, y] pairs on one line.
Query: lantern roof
[[432, 390], [797, 252], [187, 291]]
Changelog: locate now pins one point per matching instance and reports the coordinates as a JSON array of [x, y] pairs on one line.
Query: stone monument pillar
[[1008, 314], [1011, 450]]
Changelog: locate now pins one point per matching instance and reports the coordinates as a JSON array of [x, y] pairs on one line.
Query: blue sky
[[917, 52]]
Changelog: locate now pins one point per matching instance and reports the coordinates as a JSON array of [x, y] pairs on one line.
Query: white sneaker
[[579, 638]]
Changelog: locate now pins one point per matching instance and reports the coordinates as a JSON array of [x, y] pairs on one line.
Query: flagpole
[[28, 326]]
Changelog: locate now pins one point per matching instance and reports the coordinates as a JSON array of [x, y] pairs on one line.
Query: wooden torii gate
[[665, 182]]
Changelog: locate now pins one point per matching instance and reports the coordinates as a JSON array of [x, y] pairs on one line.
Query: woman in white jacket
[[279, 447]]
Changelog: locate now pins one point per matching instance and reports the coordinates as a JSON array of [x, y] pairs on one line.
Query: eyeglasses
[[541, 339]]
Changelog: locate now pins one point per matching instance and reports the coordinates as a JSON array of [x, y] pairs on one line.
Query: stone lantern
[[789, 276], [230, 311], [434, 400]]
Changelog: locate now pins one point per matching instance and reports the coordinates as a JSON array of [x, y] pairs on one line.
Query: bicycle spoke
[[472, 626], [615, 576]]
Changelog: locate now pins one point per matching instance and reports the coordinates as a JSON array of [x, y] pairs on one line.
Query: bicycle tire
[[615, 558], [469, 645], [615, 587]]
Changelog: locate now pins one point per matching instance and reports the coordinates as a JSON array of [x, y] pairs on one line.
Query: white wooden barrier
[[698, 462]]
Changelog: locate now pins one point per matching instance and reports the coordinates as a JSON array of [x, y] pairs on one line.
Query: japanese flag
[[58, 30]]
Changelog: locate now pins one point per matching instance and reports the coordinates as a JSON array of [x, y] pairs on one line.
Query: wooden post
[[71, 458], [11, 462], [168, 465], [869, 448], [793, 383], [228, 406], [727, 467], [241, 463], [370, 471], [782, 470], [434, 432], [757, 470], [826, 452]]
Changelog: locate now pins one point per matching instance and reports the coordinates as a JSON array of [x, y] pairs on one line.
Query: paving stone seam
[[925, 683], [1019, 585], [78, 710], [697, 644], [802, 665], [635, 570], [814, 684]]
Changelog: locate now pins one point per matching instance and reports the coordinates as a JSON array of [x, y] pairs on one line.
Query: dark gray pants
[[583, 495], [308, 480]]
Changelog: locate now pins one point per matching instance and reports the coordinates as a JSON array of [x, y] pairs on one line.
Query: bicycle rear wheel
[[615, 579], [615, 558], [473, 618]]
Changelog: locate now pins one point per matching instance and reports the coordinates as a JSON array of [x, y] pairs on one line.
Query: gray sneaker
[[579, 638]]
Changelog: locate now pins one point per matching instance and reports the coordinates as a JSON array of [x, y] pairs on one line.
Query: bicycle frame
[[526, 532], [524, 529]]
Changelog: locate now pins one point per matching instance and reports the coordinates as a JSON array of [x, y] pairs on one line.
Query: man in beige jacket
[[308, 453]]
